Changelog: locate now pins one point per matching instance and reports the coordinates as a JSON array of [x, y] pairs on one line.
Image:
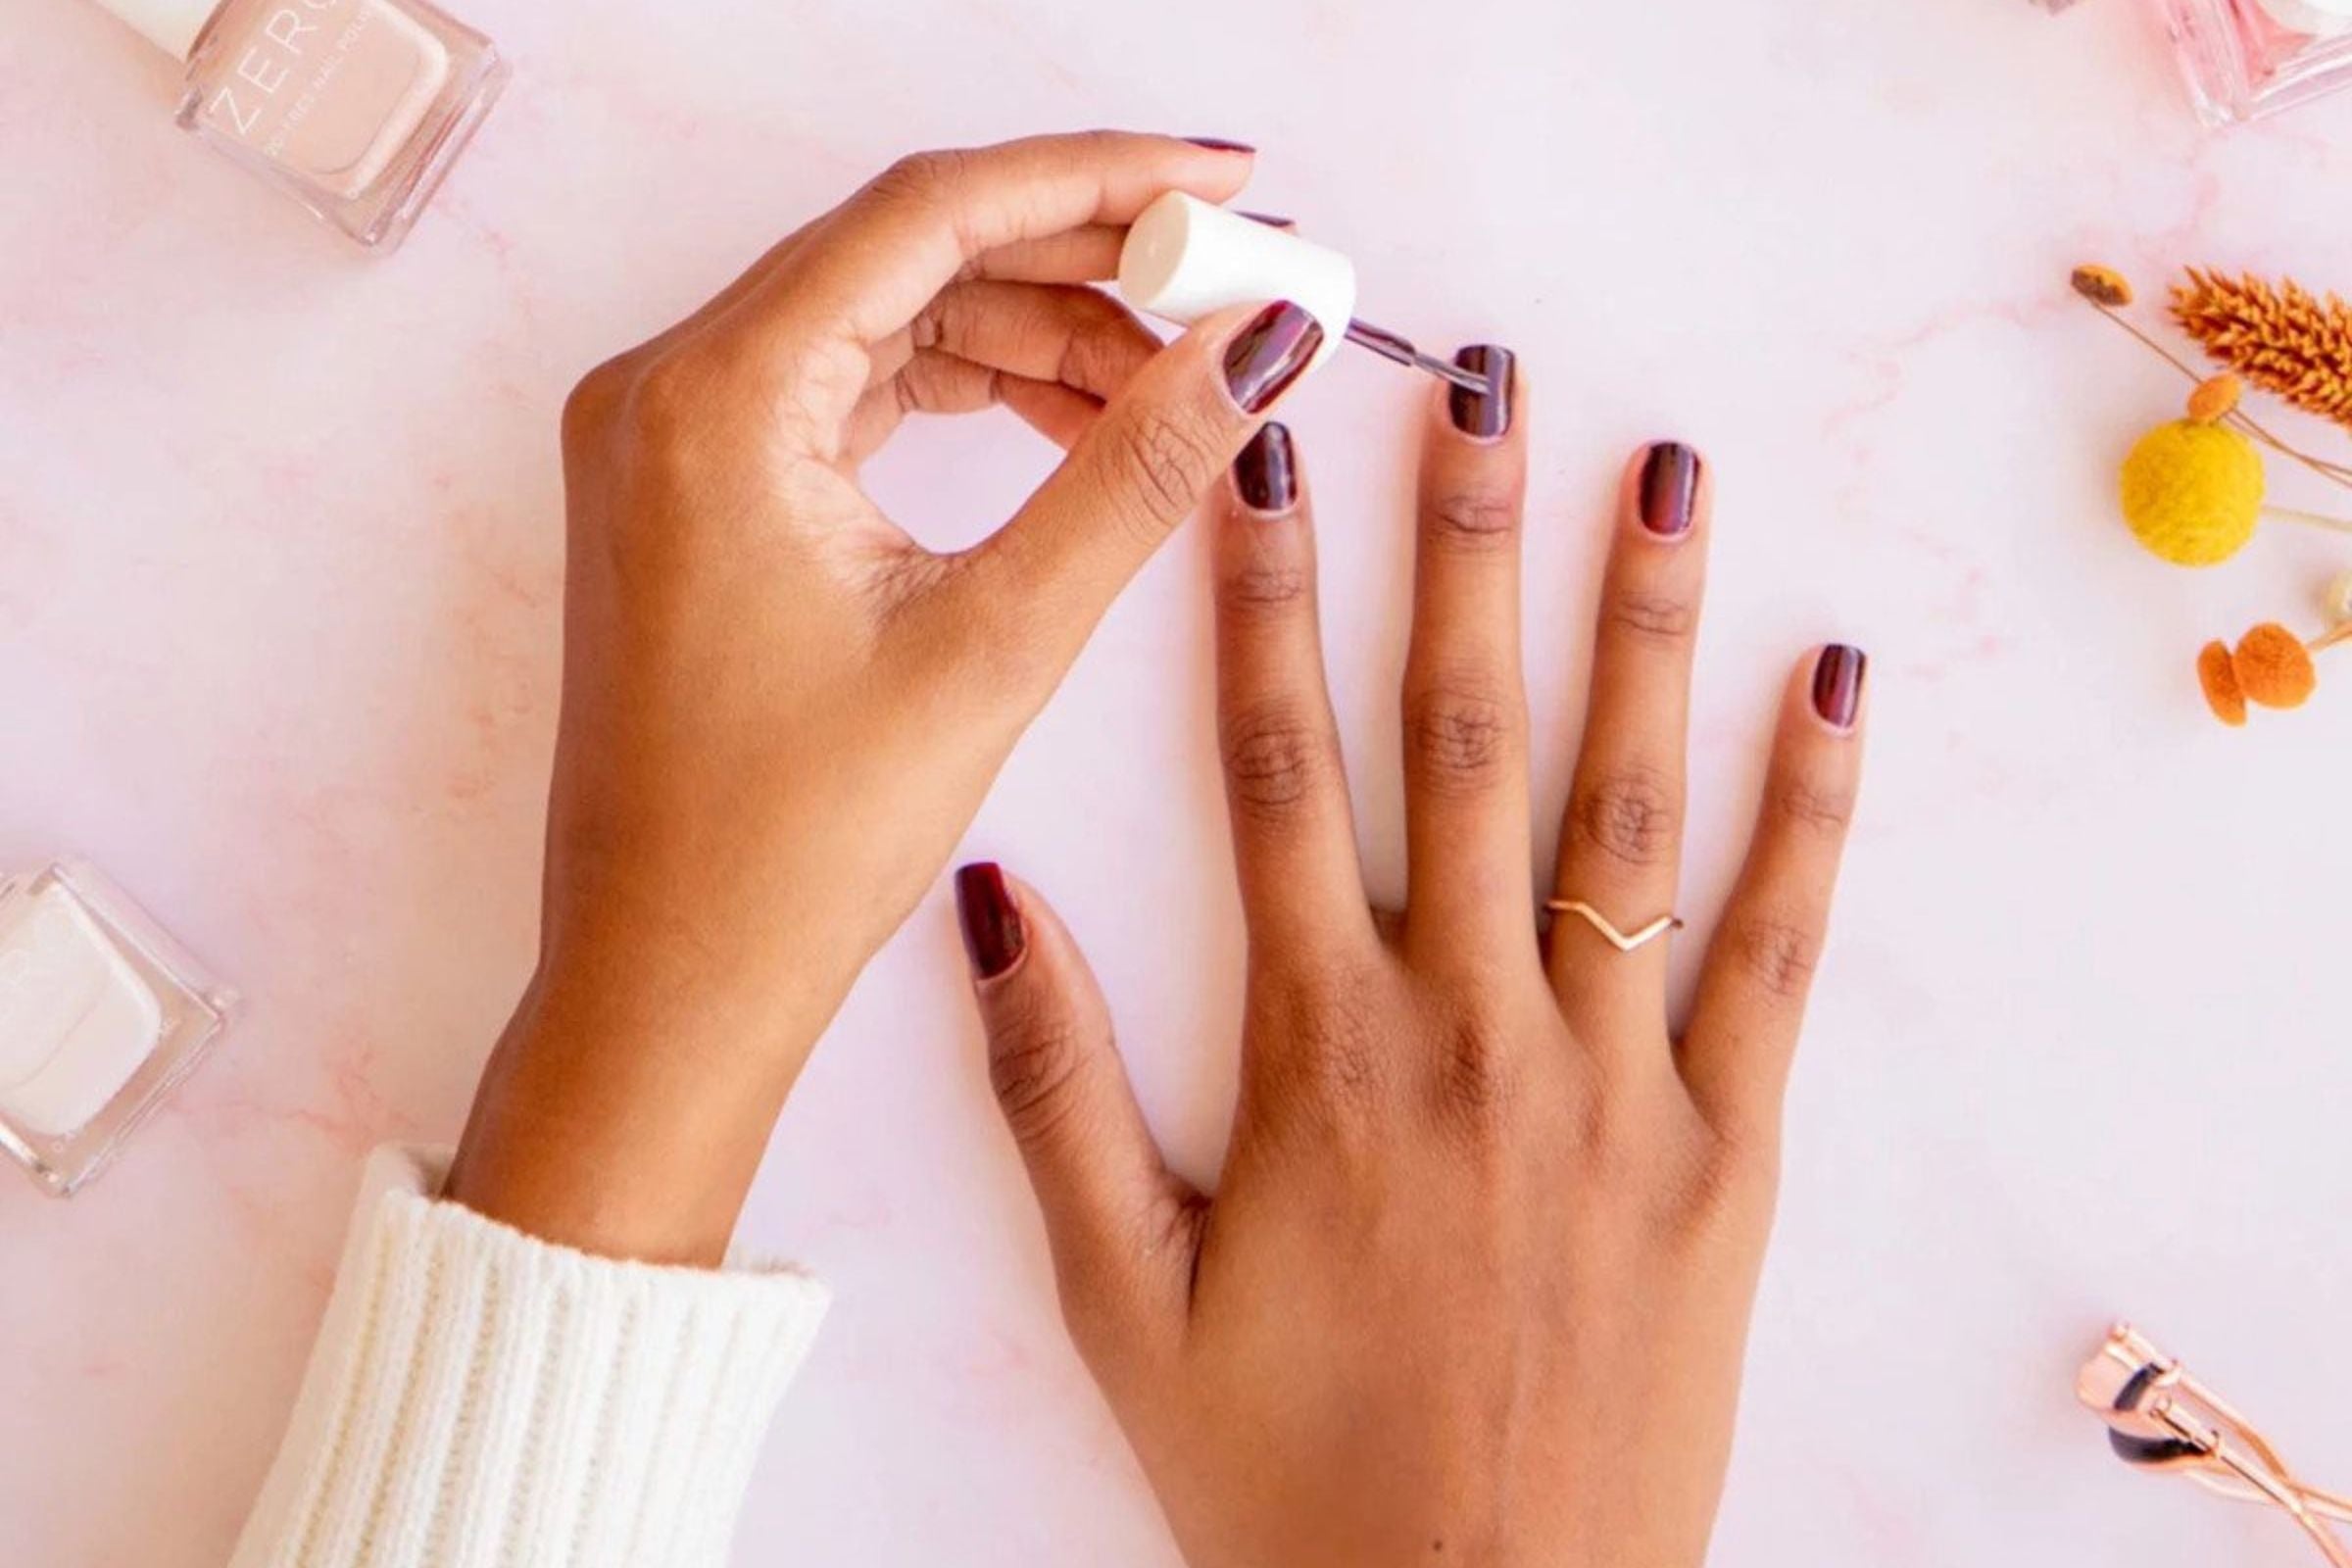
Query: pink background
[[279, 582]]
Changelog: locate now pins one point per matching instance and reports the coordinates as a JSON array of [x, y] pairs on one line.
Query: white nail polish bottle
[[101, 1014]]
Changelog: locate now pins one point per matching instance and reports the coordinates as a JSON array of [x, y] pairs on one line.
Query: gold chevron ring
[[1622, 941]]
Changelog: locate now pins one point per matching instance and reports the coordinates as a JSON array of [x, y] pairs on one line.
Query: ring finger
[[1620, 840]]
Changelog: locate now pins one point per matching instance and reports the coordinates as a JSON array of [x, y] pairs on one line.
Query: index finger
[[915, 227]]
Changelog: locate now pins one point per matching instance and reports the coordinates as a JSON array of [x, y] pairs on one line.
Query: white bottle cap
[[2320, 17], [171, 25], [1185, 259]]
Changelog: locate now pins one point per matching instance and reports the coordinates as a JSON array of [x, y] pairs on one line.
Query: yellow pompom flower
[[2192, 492]]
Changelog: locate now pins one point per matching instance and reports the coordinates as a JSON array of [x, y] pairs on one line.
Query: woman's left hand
[[780, 712]]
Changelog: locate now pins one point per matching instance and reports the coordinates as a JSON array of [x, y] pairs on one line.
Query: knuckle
[[1630, 815], [1727, 1181], [1459, 734], [918, 178], [1097, 356], [673, 399], [1033, 1067], [1778, 952], [1264, 588], [1274, 753], [590, 405], [1649, 615], [1165, 459], [1474, 519], [1330, 1061], [1479, 1075], [1812, 808]]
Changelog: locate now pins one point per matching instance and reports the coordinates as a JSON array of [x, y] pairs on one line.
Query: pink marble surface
[[279, 582]]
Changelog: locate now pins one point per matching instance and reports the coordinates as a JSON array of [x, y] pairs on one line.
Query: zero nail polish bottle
[[101, 1014], [2247, 58], [354, 108]]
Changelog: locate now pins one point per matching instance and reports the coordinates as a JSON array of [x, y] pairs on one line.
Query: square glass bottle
[[2243, 59], [101, 1014], [356, 108]]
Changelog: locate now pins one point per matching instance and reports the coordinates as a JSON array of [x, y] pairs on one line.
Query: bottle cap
[[171, 25], [1185, 259]]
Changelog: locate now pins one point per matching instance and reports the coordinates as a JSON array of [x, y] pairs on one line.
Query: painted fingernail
[[1669, 489], [1837, 685], [1264, 473], [1220, 144], [1270, 220], [1485, 415], [1269, 353], [991, 927]]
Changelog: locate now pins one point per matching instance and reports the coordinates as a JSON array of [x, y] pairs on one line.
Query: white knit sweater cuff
[[479, 1399]]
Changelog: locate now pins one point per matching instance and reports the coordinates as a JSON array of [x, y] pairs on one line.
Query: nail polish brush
[[1185, 259]]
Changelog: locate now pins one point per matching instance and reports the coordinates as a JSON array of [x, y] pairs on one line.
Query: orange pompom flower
[[2274, 667], [2218, 676], [2270, 666]]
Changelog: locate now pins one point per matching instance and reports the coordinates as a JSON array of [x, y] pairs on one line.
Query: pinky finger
[[1759, 968]]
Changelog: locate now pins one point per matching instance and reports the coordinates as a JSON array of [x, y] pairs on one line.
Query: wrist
[[628, 1119]]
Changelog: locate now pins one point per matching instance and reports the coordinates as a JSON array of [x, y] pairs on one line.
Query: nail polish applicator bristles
[[1185, 259], [1396, 346]]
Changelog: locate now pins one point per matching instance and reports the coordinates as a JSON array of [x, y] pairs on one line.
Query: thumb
[[1122, 1227], [1143, 465]]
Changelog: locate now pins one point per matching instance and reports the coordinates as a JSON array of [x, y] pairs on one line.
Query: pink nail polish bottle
[[2247, 58], [354, 108]]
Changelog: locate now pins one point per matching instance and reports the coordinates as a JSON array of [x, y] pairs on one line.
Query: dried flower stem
[[2330, 637], [2315, 518], [2337, 472]]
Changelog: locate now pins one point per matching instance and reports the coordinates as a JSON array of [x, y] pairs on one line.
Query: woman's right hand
[[1475, 1283], [780, 712]]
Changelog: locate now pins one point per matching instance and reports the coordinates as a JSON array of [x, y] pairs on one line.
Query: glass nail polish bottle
[[2247, 58], [354, 108], [101, 1014]]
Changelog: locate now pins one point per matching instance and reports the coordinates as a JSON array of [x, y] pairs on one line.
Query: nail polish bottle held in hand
[[2247, 58], [101, 1014], [354, 108]]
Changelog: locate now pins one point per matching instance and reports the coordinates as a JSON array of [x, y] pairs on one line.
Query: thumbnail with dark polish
[[1669, 489], [1484, 415], [1266, 357], [1265, 474], [1270, 220], [1220, 144], [992, 938], [1837, 685]]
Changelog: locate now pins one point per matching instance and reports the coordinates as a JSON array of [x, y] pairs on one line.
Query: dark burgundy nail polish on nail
[[1837, 685], [1265, 474], [1669, 489], [1220, 144], [1266, 357], [1270, 220], [991, 927], [1484, 415]]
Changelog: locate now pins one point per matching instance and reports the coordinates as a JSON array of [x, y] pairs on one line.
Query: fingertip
[[1666, 492], [1492, 418], [1833, 689], [988, 911], [1264, 481], [1269, 353]]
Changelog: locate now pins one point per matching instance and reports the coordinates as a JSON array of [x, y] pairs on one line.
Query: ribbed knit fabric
[[481, 1400]]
